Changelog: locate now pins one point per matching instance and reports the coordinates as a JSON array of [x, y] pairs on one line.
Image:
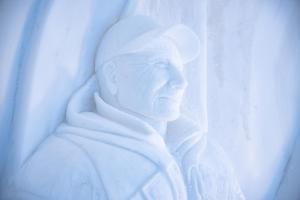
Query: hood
[[87, 110]]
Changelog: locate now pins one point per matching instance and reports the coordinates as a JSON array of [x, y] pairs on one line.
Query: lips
[[176, 100]]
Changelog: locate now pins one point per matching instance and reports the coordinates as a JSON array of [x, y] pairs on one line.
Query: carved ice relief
[[124, 136]]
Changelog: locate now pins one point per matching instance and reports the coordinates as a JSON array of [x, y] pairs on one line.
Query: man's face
[[151, 82]]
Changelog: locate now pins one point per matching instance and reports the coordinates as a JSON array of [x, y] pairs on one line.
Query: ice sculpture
[[124, 136]]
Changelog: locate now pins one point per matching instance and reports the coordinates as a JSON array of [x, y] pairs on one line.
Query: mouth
[[175, 100]]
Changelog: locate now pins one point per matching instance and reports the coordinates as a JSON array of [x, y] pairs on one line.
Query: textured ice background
[[253, 85]]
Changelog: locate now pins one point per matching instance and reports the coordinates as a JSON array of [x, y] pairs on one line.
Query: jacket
[[102, 153]]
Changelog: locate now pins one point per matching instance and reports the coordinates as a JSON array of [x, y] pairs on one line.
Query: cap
[[131, 34]]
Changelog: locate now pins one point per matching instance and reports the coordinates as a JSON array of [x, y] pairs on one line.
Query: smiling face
[[151, 83]]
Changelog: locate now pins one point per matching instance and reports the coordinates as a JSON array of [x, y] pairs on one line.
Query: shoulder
[[214, 155], [217, 173], [57, 166], [208, 170], [56, 153]]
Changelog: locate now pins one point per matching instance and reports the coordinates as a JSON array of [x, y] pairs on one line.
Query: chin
[[166, 111], [168, 116]]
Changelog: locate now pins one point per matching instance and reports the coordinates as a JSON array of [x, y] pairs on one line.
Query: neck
[[159, 125]]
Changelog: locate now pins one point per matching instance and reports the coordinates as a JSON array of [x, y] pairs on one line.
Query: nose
[[177, 79]]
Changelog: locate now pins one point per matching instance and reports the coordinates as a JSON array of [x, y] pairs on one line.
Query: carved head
[[140, 66]]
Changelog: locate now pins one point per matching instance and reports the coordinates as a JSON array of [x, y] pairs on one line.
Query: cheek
[[140, 87], [133, 87], [153, 81]]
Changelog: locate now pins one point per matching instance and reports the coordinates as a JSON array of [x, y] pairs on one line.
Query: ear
[[109, 74]]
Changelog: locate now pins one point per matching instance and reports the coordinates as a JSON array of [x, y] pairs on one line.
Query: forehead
[[161, 48]]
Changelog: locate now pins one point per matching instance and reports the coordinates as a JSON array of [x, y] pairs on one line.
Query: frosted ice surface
[[124, 136], [137, 128]]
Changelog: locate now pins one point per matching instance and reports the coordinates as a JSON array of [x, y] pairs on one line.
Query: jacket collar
[[87, 110], [129, 121]]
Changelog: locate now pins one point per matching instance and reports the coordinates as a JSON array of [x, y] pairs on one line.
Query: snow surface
[[253, 92]]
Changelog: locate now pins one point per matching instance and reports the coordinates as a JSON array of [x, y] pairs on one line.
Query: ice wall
[[13, 16], [253, 87], [52, 56]]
